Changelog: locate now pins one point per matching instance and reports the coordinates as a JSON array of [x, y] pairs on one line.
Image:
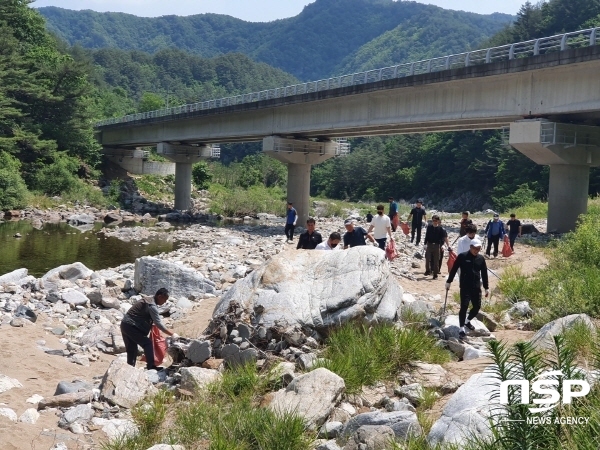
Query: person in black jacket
[[473, 270], [136, 325], [435, 236], [310, 238]]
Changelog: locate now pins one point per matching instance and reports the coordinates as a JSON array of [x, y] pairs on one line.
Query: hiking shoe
[[470, 326], [462, 334], [435, 277], [427, 273]]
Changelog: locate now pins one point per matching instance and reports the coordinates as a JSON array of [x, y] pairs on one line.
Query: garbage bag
[[159, 344], [506, 250], [390, 250]]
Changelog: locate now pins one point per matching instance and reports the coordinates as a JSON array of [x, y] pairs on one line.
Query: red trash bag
[[451, 259], [405, 228], [395, 222], [506, 250], [159, 344], [390, 250]]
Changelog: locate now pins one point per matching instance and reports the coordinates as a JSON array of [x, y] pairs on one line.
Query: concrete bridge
[[547, 91]]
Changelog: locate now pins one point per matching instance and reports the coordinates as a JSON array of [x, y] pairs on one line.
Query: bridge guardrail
[[560, 42]]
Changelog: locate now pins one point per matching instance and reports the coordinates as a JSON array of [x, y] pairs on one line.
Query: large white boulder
[[151, 274], [14, 276], [319, 289], [124, 385], [469, 410], [544, 338], [312, 396]]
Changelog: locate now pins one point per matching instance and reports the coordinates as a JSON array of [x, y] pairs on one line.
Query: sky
[[251, 10]]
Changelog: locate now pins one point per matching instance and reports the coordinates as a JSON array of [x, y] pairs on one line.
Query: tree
[[150, 102], [201, 175]]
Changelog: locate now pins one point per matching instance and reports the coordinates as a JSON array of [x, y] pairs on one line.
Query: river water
[[57, 244]]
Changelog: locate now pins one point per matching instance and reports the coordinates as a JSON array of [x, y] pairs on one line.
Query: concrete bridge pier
[[299, 155], [570, 151], [184, 157]]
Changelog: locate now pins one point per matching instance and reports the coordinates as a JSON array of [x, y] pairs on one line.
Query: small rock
[[9, 414], [30, 416]]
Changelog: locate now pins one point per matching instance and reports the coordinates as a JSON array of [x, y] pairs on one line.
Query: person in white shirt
[[332, 243], [464, 243], [382, 227]]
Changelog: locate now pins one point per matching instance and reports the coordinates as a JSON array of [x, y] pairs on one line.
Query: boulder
[[9, 414], [65, 387], [371, 437], [166, 447], [431, 376], [543, 339], [520, 309], [71, 272], [81, 219], [74, 297], [468, 411], [101, 337], [112, 218], [312, 396], [152, 274], [331, 430], [77, 413], [328, 445], [318, 289], [116, 428], [451, 328], [124, 385], [29, 416], [403, 423], [13, 277], [7, 383], [193, 378], [234, 356], [199, 351]]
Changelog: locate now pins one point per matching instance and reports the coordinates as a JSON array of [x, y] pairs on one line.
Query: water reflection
[[40, 250]]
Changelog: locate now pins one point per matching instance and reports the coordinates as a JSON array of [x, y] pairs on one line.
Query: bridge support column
[[184, 157], [299, 155], [298, 189], [570, 151], [183, 186], [567, 196]]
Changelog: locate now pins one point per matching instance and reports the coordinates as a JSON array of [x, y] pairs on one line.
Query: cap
[[419, 201], [476, 242], [289, 203], [348, 222], [496, 215]]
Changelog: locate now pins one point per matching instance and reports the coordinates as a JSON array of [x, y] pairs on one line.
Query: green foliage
[[13, 191], [570, 284], [334, 41], [57, 177], [363, 355], [520, 197], [201, 175], [246, 202], [150, 102]]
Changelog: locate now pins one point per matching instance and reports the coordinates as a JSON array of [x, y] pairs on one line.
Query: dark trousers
[[512, 237], [132, 336], [289, 231], [381, 243], [493, 240], [467, 296], [432, 258], [391, 216], [441, 259], [416, 228]]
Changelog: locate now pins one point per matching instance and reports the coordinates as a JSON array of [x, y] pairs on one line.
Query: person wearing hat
[[418, 215], [473, 270], [355, 236], [290, 222], [494, 232], [392, 212]]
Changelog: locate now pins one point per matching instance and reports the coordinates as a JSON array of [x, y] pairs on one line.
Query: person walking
[[464, 243], [332, 243], [473, 270], [290, 222], [435, 237], [392, 212], [310, 238], [514, 229], [494, 232], [136, 325], [381, 227], [355, 236], [418, 216], [463, 223]]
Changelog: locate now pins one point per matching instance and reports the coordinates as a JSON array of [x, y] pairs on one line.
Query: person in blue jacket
[[494, 232]]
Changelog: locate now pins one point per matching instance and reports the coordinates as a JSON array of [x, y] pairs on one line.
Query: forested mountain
[[327, 37]]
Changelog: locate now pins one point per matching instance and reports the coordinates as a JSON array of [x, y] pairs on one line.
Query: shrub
[[523, 195], [13, 191], [58, 177], [201, 175], [246, 202]]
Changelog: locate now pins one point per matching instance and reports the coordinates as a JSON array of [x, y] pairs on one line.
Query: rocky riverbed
[[63, 327]]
